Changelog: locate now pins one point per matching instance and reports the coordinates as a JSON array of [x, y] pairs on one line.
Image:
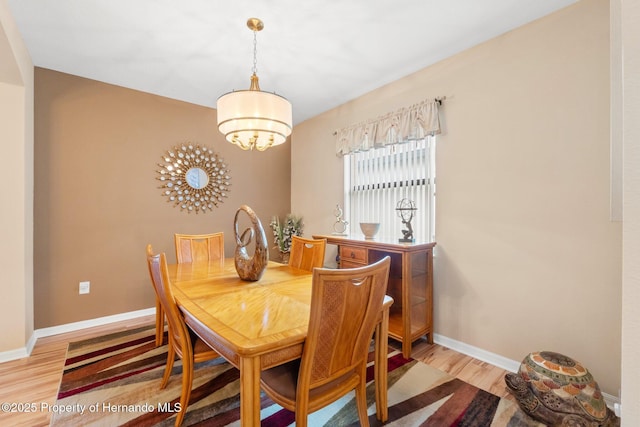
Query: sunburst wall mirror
[[194, 178]]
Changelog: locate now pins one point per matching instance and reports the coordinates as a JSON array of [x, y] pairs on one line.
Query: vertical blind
[[378, 179]]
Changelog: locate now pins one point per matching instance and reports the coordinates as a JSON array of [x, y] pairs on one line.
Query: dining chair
[[199, 247], [345, 306], [307, 253], [182, 341], [191, 248]]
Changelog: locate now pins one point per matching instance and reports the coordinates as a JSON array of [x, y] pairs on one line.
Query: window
[[377, 179]]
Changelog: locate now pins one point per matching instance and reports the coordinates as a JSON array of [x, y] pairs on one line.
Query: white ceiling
[[317, 53]]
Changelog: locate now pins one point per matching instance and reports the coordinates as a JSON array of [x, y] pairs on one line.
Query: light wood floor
[[34, 380]]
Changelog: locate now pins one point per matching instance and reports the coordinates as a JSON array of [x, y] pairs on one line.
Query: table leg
[[380, 367], [250, 391]]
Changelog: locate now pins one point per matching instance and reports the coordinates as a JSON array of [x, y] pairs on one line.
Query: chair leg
[[302, 410], [301, 419], [159, 324], [361, 401], [185, 395], [171, 356]]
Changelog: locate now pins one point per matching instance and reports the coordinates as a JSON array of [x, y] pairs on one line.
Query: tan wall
[[628, 17], [97, 198], [527, 258], [11, 224], [16, 173]]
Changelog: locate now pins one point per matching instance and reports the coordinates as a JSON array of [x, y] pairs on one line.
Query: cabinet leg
[[406, 348]]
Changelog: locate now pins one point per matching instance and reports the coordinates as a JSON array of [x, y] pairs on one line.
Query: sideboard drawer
[[353, 254], [349, 264]]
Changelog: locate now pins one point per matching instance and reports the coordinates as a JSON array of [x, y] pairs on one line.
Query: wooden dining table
[[257, 325]]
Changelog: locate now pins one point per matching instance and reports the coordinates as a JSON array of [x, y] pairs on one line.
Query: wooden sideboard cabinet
[[410, 281]]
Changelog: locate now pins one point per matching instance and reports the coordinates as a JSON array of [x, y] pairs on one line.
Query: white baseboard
[[510, 365], [9, 355], [25, 351], [478, 353]]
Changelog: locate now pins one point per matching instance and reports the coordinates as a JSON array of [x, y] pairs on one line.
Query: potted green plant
[[282, 232]]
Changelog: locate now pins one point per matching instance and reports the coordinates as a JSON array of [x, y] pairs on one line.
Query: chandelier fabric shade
[[253, 119]]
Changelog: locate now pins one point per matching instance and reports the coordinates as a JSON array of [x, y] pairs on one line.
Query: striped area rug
[[114, 380]]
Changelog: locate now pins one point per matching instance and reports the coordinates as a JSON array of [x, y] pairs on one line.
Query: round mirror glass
[[197, 178]]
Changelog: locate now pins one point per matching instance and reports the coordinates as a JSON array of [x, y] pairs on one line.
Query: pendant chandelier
[[253, 118]]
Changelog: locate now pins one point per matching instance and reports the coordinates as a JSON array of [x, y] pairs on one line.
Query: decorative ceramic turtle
[[559, 391]]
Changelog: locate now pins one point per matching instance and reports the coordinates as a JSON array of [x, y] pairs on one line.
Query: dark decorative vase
[[250, 268]]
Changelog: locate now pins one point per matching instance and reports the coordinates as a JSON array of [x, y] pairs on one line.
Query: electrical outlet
[[85, 288]]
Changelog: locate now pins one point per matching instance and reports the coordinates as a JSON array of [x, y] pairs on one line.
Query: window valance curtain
[[409, 123]]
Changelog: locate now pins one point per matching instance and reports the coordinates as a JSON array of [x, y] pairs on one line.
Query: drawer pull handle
[[353, 254]]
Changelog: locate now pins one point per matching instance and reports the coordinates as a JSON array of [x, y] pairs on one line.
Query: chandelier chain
[[255, 53]]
